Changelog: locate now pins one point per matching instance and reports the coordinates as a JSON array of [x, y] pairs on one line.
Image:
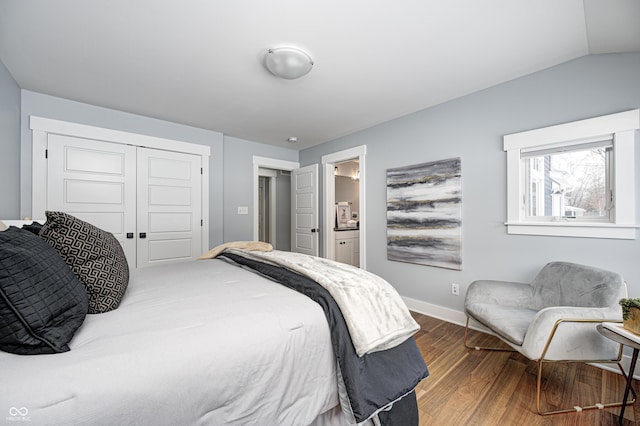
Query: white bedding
[[375, 314], [196, 343]]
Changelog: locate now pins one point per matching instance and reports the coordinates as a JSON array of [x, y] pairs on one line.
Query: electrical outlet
[[455, 289]]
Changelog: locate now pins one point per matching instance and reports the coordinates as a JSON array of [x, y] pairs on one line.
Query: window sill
[[573, 229]]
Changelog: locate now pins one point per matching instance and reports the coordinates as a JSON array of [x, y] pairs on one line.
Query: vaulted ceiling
[[201, 62]]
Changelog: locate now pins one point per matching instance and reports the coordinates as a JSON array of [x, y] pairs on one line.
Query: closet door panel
[[169, 206], [96, 182], [166, 250]]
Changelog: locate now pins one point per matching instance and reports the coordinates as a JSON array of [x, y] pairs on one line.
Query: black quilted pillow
[[42, 303], [94, 255]]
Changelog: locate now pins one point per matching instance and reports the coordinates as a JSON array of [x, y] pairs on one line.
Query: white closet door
[[94, 181], [169, 206]]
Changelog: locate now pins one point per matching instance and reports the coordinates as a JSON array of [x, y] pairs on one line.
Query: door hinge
[[201, 172], [201, 222], [46, 153]]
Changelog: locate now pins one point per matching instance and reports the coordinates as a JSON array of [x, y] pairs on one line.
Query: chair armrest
[[569, 333], [503, 293]]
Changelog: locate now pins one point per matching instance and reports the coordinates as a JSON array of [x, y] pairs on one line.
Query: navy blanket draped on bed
[[372, 382]]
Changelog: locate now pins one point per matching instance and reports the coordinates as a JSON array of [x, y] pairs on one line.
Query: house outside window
[[570, 182], [575, 179]]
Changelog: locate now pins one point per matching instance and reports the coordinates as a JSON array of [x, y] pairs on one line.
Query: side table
[[628, 339]]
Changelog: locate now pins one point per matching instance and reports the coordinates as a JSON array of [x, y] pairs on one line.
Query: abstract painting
[[424, 208]]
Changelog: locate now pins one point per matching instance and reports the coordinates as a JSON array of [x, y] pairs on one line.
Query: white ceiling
[[200, 62]]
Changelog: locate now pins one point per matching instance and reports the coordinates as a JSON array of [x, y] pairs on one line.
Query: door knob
[[143, 235]]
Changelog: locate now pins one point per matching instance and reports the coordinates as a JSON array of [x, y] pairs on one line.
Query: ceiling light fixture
[[292, 139], [288, 62]]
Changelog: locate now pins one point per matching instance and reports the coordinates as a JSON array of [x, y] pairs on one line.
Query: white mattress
[[201, 342]]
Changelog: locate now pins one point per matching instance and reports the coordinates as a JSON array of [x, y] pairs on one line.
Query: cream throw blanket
[[246, 245], [375, 314]]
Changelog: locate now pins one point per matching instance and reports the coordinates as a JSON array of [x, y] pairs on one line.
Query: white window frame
[[535, 175], [622, 129]]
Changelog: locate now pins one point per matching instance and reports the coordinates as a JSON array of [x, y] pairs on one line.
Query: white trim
[[41, 127], [436, 311], [274, 163], [205, 204], [574, 132], [328, 187], [49, 125], [573, 229], [328, 197], [622, 128], [39, 173], [346, 154], [625, 177], [269, 163]]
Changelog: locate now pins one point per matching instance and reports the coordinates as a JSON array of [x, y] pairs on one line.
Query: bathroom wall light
[[288, 62]]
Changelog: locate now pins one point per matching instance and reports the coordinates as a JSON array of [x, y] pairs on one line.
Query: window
[[575, 179], [571, 182]]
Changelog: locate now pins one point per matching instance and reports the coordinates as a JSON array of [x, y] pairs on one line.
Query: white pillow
[[2, 226]]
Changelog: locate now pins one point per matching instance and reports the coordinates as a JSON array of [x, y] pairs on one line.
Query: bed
[[231, 340]]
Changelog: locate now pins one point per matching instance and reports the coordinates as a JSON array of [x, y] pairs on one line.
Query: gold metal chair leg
[[479, 348], [539, 376], [578, 408]]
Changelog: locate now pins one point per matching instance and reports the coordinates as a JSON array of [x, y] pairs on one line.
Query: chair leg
[[478, 348], [576, 408], [539, 381]]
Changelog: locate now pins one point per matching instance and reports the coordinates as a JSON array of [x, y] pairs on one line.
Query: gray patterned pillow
[[94, 255]]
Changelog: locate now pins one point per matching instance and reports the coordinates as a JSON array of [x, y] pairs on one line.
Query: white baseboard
[[459, 318], [445, 314]]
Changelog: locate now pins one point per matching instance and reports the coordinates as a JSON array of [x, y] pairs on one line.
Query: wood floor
[[468, 387]]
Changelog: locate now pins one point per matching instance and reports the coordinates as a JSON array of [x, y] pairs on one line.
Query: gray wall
[[472, 127], [9, 145], [347, 189], [62, 109], [230, 166], [238, 183]]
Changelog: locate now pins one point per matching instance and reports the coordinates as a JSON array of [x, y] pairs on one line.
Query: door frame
[[267, 163], [329, 199], [271, 176], [41, 127]]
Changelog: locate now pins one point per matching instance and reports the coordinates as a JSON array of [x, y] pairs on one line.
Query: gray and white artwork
[[424, 204]]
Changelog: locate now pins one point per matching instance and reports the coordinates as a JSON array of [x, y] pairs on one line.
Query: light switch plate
[[243, 210]]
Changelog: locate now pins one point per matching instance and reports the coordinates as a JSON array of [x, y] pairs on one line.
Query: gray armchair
[[553, 318]]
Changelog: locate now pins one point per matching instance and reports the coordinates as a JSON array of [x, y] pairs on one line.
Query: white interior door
[[95, 182], [169, 206], [304, 203]]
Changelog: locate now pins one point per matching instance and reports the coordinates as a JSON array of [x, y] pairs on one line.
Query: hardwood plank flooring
[[468, 387]]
